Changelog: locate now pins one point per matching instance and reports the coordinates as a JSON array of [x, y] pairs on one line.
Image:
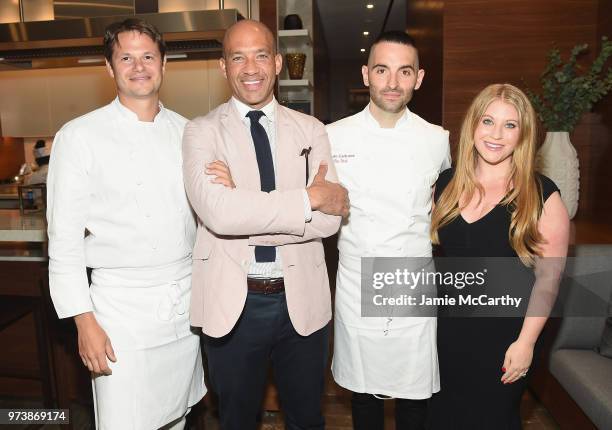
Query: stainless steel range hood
[[78, 42]]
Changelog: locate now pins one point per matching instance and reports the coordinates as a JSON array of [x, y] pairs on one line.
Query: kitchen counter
[[9, 199], [15, 227], [20, 251]]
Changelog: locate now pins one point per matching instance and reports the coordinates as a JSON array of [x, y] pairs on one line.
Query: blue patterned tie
[[263, 254]]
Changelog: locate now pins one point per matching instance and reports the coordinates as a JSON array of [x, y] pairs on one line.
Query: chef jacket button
[[138, 182], [371, 218], [147, 215]]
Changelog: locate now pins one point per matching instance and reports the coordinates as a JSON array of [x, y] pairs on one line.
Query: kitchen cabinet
[[24, 109], [75, 91], [194, 88], [38, 102], [9, 11]]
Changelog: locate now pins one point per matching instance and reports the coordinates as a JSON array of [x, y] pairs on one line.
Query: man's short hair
[[112, 32], [395, 36]]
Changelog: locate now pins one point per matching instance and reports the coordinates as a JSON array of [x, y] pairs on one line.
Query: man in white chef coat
[[389, 159], [116, 203]]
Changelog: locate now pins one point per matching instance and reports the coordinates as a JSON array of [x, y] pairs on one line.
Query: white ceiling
[[344, 22]]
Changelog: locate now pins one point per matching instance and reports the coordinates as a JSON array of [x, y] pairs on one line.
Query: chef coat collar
[[371, 121], [269, 109], [131, 115]]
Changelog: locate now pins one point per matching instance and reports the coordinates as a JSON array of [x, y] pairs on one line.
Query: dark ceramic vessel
[[292, 22]]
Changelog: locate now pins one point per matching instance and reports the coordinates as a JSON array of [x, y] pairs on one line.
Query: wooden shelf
[[294, 83], [294, 38]]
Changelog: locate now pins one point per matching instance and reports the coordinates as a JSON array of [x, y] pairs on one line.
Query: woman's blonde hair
[[525, 197]]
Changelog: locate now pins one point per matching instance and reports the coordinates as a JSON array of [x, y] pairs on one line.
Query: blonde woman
[[493, 204]]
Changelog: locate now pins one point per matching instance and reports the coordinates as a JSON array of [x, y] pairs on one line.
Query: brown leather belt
[[266, 286]]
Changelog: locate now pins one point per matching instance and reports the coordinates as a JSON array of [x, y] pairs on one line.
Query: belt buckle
[[267, 287]]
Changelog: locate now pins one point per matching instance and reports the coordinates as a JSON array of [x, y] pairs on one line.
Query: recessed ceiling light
[[175, 56], [370, 6], [362, 49], [90, 60], [365, 33]]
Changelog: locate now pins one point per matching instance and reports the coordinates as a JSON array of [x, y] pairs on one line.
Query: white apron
[[393, 356], [389, 174], [158, 374]]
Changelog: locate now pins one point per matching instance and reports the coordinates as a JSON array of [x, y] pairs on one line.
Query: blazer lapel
[[290, 165], [239, 150]]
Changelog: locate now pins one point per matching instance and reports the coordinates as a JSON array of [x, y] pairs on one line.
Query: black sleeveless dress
[[471, 350]]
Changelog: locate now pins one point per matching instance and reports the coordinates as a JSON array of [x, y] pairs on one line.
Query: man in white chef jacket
[[116, 203], [389, 159]]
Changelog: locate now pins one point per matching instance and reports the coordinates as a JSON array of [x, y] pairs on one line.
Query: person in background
[[389, 159], [117, 204], [260, 286], [41, 155], [494, 204]]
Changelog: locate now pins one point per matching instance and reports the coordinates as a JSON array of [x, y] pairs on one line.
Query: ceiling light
[[362, 49], [365, 33], [90, 60], [370, 6], [175, 56]]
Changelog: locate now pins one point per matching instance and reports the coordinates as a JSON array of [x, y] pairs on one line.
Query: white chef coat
[[390, 174], [118, 182]]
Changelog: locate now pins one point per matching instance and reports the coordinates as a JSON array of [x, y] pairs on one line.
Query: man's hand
[[94, 344], [328, 197], [221, 173]]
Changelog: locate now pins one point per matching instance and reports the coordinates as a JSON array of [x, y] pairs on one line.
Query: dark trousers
[[238, 366], [369, 413]]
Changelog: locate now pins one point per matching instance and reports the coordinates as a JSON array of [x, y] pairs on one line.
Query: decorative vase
[[295, 65], [292, 22], [557, 159]]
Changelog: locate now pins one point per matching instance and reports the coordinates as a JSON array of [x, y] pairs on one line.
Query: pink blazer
[[230, 221]]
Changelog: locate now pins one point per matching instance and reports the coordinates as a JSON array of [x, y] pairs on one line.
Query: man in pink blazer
[[260, 287]]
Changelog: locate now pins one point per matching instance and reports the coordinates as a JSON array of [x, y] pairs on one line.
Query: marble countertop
[[30, 227]]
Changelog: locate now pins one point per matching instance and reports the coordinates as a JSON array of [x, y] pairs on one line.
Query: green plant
[[566, 94]]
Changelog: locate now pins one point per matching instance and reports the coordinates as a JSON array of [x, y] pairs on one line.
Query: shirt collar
[[130, 115], [269, 109], [371, 121]]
